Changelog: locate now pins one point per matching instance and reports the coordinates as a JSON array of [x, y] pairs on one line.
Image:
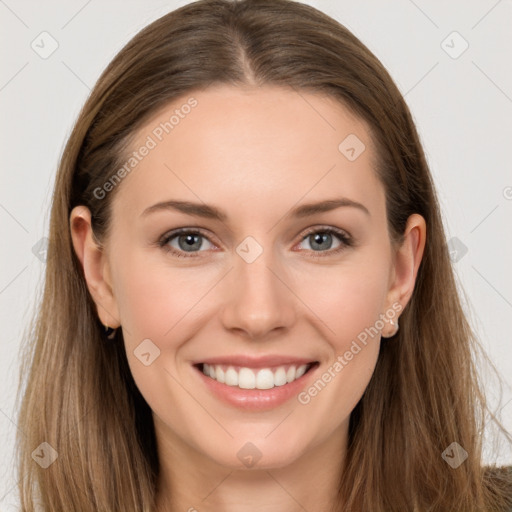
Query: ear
[[95, 265], [407, 259]]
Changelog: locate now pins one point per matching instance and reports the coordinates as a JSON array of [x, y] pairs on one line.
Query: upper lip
[[255, 362]]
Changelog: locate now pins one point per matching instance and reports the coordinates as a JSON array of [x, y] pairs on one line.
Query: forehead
[[269, 144]]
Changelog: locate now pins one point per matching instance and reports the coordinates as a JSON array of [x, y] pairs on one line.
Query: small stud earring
[[395, 324], [110, 333]]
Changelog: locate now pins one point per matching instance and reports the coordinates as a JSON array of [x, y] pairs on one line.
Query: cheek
[[160, 304], [153, 299], [349, 305], [348, 299]]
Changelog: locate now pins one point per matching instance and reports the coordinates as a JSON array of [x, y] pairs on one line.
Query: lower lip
[[256, 399]]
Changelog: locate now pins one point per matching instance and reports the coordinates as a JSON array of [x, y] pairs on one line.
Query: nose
[[259, 300]]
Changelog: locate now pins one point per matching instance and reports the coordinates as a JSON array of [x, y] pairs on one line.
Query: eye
[[321, 240], [186, 242], [183, 241]]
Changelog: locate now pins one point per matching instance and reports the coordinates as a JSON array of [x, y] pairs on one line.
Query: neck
[[190, 481]]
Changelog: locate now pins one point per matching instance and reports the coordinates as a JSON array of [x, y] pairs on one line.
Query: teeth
[[290, 374], [231, 377], [280, 377], [220, 376], [301, 370], [264, 379], [246, 378]]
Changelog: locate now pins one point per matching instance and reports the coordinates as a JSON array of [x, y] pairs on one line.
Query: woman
[[249, 302]]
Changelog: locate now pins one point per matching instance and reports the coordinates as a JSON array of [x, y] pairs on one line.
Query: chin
[[256, 452]]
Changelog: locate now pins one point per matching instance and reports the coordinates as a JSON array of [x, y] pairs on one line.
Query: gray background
[[462, 105]]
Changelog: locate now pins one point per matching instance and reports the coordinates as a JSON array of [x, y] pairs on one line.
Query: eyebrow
[[212, 212]]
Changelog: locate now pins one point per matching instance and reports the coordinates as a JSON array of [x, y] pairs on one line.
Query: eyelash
[[344, 238]]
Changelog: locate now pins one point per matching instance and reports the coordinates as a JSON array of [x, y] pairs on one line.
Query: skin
[[255, 153]]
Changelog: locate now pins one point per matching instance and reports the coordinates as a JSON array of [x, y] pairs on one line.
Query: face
[[217, 263]]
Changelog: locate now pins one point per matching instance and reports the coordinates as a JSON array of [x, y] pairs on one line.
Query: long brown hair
[[78, 394]]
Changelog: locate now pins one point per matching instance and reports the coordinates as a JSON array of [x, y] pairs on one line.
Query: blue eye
[[187, 243], [321, 239]]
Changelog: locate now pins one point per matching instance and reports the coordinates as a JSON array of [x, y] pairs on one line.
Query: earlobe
[[95, 265]]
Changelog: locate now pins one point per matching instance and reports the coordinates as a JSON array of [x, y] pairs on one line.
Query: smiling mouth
[[258, 378]]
